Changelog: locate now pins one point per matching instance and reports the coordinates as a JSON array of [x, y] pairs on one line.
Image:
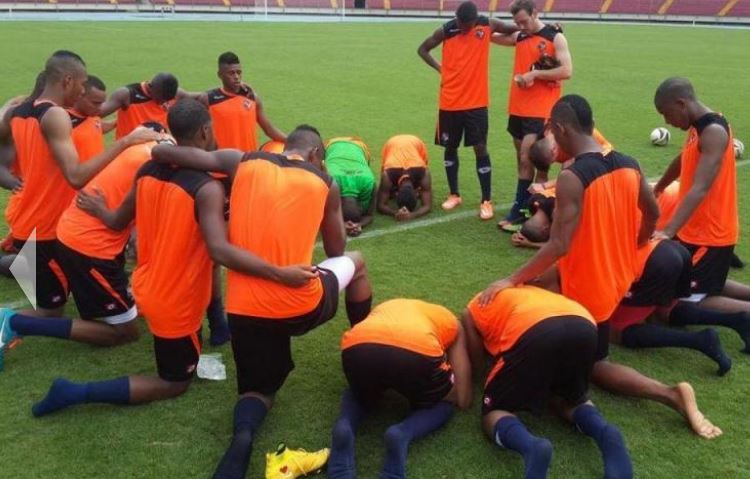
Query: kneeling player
[[172, 293], [347, 160], [264, 316], [415, 348], [544, 345], [665, 277], [404, 177]]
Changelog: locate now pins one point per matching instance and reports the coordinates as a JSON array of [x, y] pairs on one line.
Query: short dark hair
[[167, 84], [41, 80], [60, 63], [672, 89], [467, 12], [350, 209], [228, 58], [304, 136], [154, 125], [406, 196], [539, 155], [527, 5], [574, 111], [186, 117], [535, 235], [95, 82]]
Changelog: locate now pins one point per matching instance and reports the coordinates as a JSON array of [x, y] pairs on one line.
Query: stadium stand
[[633, 7], [575, 6], [731, 11], [696, 7], [741, 9]]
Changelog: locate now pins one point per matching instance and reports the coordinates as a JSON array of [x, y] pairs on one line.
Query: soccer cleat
[[486, 210], [290, 464], [452, 202], [7, 335]]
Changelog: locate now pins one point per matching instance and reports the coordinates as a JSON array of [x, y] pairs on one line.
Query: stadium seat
[[431, 5], [740, 9], [696, 7], [306, 3], [576, 6], [639, 7]]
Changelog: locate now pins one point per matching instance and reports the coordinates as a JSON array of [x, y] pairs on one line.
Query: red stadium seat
[[696, 7], [576, 6], [641, 7], [740, 9]]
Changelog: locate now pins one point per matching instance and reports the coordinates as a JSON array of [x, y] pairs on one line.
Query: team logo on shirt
[[479, 33], [247, 104], [98, 124], [487, 401]]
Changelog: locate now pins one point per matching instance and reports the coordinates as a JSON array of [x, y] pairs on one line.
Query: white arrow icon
[[24, 269]]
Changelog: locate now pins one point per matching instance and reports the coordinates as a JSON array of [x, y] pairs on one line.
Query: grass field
[[366, 80]]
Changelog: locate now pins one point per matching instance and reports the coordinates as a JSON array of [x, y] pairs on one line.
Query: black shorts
[[372, 369], [602, 340], [262, 346], [538, 201], [177, 358], [665, 277], [553, 358], [710, 268], [520, 126], [99, 286], [51, 283], [472, 125]]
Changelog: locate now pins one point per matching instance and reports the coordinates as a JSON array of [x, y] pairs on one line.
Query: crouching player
[[405, 178], [544, 346], [415, 348], [347, 160]]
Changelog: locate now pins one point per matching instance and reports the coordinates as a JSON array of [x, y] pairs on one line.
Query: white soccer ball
[[739, 149], [660, 136]]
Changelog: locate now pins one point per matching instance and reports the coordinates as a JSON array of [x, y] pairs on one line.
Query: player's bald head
[[63, 63], [304, 137], [574, 112], [672, 90]]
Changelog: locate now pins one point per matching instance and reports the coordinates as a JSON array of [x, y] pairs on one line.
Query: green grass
[[366, 80]]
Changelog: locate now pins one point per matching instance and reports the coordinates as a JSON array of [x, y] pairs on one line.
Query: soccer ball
[[660, 136], [739, 149]]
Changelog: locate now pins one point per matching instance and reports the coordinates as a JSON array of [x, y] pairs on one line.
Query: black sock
[[484, 172], [356, 311], [450, 160], [653, 336], [249, 413], [522, 197], [685, 313]]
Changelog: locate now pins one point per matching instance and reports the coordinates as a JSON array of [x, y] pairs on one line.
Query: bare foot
[[688, 406]]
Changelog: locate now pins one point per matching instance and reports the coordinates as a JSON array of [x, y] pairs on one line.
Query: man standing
[[464, 95], [236, 109], [542, 61]]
